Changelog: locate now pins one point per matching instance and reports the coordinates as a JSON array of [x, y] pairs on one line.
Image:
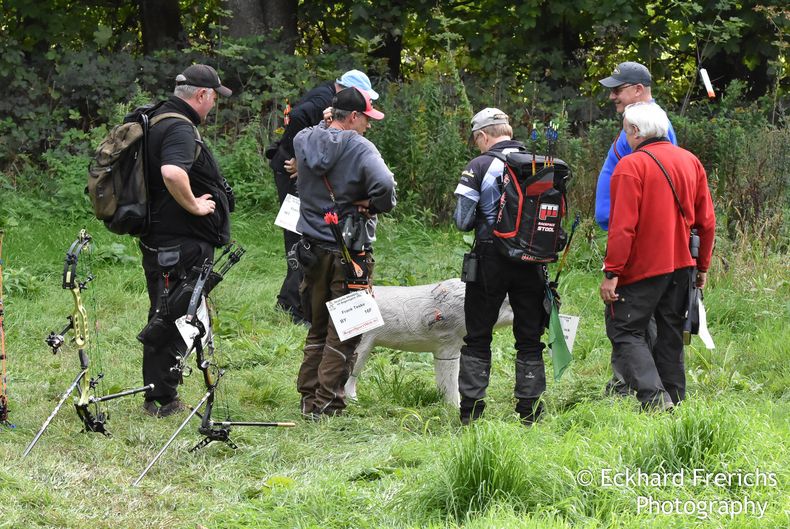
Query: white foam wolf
[[424, 318]]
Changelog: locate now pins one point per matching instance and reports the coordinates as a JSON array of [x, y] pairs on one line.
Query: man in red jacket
[[648, 263]]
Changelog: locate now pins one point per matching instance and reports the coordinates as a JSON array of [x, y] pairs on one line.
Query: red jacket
[[647, 234]]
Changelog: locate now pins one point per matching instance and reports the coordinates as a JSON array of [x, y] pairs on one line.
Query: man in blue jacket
[[629, 83]]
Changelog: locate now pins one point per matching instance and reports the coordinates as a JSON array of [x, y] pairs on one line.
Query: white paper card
[[570, 324], [704, 333], [189, 331], [354, 314], [288, 215]]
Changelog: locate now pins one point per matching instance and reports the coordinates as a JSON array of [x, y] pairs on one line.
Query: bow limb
[[3, 380]]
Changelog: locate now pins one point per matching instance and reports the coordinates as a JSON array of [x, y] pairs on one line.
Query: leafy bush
[[60, 104], [20, 282], [247, 170], [746, 160], [423, 141]]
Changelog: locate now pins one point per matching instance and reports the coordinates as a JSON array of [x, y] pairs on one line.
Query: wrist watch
[[609, 275]]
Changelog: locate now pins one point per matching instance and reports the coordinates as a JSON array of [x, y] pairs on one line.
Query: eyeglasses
[[617, 89]]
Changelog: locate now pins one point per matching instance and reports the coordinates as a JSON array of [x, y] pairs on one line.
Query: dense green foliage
[[65, 64], [65, 85]]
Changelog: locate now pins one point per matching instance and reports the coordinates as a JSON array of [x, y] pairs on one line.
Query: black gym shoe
[[150, 408], [171, 408]]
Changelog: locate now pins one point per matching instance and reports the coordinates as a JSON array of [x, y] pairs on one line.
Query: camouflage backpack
[[117, 179]]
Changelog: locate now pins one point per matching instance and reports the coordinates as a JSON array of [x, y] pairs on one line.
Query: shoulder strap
[[329, 188], [502, 156], [669, 180], [161, 117], [614, 148]]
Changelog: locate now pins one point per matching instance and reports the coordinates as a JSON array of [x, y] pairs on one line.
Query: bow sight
[[84, 384], [198, 317]]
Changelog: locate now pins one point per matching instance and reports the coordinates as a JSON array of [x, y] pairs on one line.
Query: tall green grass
[[400, 458]]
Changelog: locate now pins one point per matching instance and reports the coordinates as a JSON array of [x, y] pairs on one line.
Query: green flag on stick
[[560, 354]]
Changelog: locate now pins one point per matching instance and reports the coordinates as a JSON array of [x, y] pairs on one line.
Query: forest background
[[67, 66], [70, 70]]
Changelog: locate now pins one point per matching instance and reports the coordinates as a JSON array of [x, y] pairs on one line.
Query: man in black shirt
[[190, 216], [308, 112]]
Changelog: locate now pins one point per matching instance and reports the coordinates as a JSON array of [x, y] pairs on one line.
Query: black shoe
[[150, 408], [471, 410], [616, 388], [529, 411], [317, 416], [171, 408], [298, 320]]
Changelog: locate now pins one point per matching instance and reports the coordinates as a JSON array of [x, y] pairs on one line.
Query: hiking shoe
[[529, 411], [471, 410], [150, 408], [318, 416], [171, 408]]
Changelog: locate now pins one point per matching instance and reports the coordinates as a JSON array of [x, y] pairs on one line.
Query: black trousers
[[288, 298], [657, 374], [524, 284], [160, 358]]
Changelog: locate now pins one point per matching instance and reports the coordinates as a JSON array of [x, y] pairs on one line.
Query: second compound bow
[[199, 317]]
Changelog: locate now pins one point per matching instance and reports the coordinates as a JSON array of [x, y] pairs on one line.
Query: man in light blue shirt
[[629, 83]]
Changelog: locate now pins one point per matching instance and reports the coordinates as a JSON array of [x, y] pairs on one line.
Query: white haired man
[[659, 194], [629, 83]]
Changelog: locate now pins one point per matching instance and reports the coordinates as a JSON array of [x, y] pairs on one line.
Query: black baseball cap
[[628, 73], [204, 76], [353, 98]]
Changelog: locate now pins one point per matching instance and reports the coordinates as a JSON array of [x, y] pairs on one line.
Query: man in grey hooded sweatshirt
[[342, 177]]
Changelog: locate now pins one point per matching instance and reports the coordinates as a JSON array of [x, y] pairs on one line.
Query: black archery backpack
[[117, 179], [528, 225]]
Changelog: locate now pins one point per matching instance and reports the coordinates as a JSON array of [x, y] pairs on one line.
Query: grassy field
[[400, 457]]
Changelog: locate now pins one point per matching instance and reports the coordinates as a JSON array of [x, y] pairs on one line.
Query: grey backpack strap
[[160, 117]]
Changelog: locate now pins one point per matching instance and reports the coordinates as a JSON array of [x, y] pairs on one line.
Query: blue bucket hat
[[359, 80]]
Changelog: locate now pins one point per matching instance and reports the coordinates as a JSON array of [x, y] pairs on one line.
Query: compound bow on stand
[[198, 316], [84, 384]]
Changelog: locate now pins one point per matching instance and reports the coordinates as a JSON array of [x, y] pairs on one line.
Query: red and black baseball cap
[[204, 76], [355, 99]]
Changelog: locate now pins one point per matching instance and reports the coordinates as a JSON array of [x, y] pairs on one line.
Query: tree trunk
[[254, 18], [246, 19], [161, 21], [282, 14], [391, 50]]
